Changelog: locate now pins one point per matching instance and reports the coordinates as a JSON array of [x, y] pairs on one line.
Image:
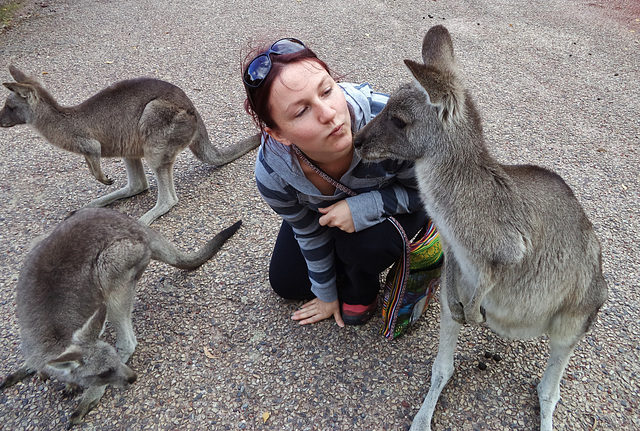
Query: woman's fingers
[[316, 310]]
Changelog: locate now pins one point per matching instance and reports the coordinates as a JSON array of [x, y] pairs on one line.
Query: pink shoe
[[358, 314]]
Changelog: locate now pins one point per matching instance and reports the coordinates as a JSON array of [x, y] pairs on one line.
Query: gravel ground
[[557, 84]]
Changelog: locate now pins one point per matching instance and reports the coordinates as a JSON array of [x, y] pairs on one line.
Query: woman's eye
[[327, 91], [300, 113]]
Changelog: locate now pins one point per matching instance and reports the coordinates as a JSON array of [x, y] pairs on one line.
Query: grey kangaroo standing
[[520, 253], [81, 275], [131, 119]]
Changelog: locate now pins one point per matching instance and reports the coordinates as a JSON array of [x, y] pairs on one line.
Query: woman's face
[[311, 112]]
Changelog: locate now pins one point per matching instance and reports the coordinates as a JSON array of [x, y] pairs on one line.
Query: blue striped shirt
[[384, 188]]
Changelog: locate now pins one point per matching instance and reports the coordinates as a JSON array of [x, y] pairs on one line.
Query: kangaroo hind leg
[[118, 283], [442, 368], [119, 311], [565, 333], [168, 128], [167, 197]]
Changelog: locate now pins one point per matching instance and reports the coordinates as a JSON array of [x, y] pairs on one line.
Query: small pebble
[[482, 365]]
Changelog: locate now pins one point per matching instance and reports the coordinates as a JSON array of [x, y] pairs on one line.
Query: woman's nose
[[326, 113]]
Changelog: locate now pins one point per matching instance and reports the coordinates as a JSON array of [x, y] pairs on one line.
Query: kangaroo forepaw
[[105, 180], [16, 377], [457, 312], [71, 390], [475, 315], [75, 418], [79, 413]]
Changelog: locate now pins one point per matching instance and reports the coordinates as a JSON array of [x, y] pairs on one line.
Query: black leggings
[[360, 258]]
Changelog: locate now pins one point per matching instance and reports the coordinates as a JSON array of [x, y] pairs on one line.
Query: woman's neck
[[334, 168]]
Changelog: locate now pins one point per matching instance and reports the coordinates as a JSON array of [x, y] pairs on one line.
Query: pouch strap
[[328, 178], [395, 301]]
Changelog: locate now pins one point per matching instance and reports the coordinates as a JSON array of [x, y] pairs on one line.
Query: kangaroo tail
[[164, 251], [204, 150]]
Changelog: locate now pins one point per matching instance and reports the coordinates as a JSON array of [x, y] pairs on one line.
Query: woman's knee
[[288, 285]]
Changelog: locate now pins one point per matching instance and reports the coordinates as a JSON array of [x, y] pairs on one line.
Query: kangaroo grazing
[[81, 275], [520, 253], [131, 119]]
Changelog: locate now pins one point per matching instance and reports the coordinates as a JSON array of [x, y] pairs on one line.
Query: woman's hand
[[316, 310], [338, 215]]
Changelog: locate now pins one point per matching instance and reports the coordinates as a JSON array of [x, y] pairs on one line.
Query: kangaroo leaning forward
[[520, 254], [82, 274], [133, 119]]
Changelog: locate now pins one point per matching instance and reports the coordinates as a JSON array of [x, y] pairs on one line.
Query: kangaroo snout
[[131, 379], [363, 146], [124, 377], [358, 141]]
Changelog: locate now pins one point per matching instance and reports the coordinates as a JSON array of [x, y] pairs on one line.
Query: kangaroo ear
[[68, 361], [93, 327], [437, 48], [417, 70], [17, 74], [428, 78], [22, 90], [443, 89]]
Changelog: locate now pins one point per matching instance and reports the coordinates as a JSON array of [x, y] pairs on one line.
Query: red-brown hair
[[257, 102]]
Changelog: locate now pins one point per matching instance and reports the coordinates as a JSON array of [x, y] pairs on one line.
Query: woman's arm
[[315, 240], [385, 189]]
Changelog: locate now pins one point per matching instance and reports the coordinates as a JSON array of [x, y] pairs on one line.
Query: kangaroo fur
[[520, 254], [133, 119], [82, 274]]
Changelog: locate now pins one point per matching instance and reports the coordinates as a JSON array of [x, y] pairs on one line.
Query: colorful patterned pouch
[[410, 284]]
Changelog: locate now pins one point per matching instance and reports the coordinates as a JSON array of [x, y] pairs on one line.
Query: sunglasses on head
[[259, 68]]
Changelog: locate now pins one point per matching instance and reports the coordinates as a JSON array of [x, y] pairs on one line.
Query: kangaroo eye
[[105, 374], [400, 124]]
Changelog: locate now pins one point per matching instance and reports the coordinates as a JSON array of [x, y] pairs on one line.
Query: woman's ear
[[277, 136]]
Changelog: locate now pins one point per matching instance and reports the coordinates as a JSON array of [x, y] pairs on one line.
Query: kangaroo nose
[[357, 141], [132, 379]]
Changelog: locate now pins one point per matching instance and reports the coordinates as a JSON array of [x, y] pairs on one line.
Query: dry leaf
[[208, 353], [265, 417]]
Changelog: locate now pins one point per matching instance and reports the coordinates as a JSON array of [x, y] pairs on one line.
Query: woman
[[331, 247]]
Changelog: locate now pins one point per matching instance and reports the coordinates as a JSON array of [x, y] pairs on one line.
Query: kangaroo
[[520, 253], [131, 119], [82, 274]]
